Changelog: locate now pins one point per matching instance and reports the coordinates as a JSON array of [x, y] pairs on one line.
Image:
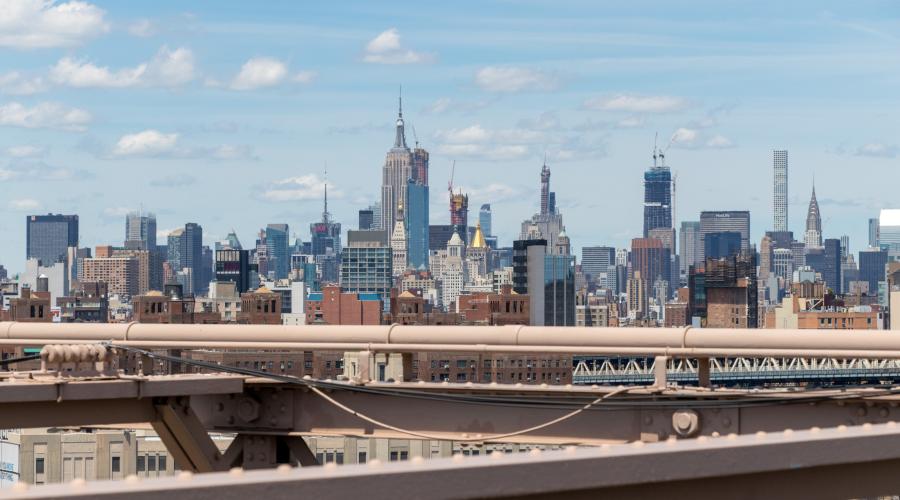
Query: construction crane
[[415, 135], [450, 182]]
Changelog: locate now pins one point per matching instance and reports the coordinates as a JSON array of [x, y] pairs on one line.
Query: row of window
[[498, 377], [444, 364]]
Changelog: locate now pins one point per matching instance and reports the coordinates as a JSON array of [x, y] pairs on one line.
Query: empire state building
[[396, 172]]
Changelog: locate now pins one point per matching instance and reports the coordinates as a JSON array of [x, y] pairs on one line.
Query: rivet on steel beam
[[637, 444], [788, 432], [702, 439], [715, 434], [374, 463], [867, 426], [891, 423], [132, 478], [862, 412], [421, 382], [236, 471], [571, 449], [842, 428], [417, 460], [307, 377], [672, 440], [185, 475], [731, 436], [884, 412], [283, 468], [534, 452], [457, 457], [544, 386], [814, 429], [568, 386], [78, 483], [760, 434], [20, 486], [726, 422], [330, 466]]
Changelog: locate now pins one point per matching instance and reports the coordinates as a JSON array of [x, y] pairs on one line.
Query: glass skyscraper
[[780, 198], [277, 249], [416, 221], [484, 218], [48, 237], [657, 198]]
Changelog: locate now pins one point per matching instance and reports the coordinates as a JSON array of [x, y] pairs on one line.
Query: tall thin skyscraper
[[416, 224], [657, 196], [277, 250], [325, 243], [813, 235], [545, 190], [780, 200], [873, 232], [397, 170], [689, 246], [484, 218], [192, 255]]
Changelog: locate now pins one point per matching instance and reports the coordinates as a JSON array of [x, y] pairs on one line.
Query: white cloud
[[116, 212], [485, 151], [44, 115], [146, 143], [473, 133], [27, 24], [15, 83], [495, 192], [636, 104], [439, 105], [684, 136], [142, 28], [387, 49], [167, 68], [513, 79], [879, 150], [259, 72], [24, 205], [719, 142], [477, 142], [304, 187], [25, 151], [631, 122]]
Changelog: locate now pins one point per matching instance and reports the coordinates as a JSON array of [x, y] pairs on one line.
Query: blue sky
[[225, 113]]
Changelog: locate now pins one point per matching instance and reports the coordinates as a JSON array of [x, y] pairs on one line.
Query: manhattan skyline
[[227, 116]]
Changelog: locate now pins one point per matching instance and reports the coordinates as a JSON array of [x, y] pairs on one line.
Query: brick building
[[504, 308], [333, 307], [156, 307], [121, 274], [260, 307]]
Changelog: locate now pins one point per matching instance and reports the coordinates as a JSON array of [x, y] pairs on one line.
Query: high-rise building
[[719, 245], [234, 266], [366, 219], [140, 231], [652, 260], [399, 258], [416, 222], [780, 198], [549, 281], [873, 233], [484, 218], [366, 264], [396, 172], [192, 256], [528, 275], [278, 250], [725, 221], [889, 231], [596, 260], [325, 243], [459, 214], [813, 235], [48, 237], [657, 196], [831, 269], [872, 267], [547, 224], [689, 246], [175, 248]]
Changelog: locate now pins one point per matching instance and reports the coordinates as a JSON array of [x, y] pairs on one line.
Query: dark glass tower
[[49, 236], [416, 215], [657, 198]]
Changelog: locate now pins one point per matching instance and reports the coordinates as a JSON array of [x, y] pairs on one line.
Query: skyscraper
[[192, 256], [720, 245], [140, 231], [484, 218], [234, 265], [657, 196], [547, 224], [889, 231], [416, 222], [459, 214], [325, 243], [366, 264], [366, 219], [725, 221], [652, 260], [813, 236], [595, 261], [398, 245], [395, 174], [780, 200], [872, 263], [277, 250], [689, 246], [48, 237], [831, 269], [873, 232]]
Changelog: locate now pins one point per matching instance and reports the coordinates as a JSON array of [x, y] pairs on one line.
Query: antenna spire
[[325, 214], [400, 100]]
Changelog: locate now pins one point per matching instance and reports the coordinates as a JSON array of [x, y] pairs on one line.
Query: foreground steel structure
[[717, 436]]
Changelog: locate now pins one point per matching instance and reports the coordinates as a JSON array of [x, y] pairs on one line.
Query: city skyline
[[244, 134]]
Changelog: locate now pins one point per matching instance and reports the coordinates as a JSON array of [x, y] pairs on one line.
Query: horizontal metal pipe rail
[[684, 342]]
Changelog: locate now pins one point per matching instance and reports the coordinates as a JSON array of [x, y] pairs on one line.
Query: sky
[[226, 113]]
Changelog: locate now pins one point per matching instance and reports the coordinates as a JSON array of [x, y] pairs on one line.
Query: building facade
[[48, 237]]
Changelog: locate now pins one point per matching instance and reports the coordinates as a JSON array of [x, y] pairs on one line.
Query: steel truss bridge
[[660, 437], [738, 371]]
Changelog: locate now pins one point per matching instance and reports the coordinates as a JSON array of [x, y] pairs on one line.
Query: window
[[320, 458], [461, 363], [404, 455], [151, 462], [460, 377], [39, 465], [141, 464], [339, 457], [162, 463], [394, 456], [361, 457], [116, 464]]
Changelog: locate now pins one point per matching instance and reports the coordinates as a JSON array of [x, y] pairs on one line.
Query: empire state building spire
[[400, 139]]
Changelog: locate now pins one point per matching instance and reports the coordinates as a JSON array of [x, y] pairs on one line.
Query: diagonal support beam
[[300, 451], [185, 436]]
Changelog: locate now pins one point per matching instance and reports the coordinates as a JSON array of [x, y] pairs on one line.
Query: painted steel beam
[[819, 464]]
